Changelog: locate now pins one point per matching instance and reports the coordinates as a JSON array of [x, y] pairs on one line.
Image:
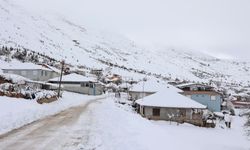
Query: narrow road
[[61, 131]]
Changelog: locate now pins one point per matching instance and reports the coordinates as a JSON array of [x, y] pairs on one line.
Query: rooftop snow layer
[[169, 98], [191, 84], [153, 86], [21, 66], [74, 78]]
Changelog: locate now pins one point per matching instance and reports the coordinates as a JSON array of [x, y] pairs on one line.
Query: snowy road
[[103, 124], [61, 131]]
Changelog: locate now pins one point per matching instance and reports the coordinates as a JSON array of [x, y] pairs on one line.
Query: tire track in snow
[[52, 132]]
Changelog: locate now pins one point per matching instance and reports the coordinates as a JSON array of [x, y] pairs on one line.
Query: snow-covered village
[[72, 79]]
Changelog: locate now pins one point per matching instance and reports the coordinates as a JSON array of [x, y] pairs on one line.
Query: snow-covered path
[[62, 131]]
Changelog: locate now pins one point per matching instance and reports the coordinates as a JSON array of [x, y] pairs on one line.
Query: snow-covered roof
[[111, 85], [152, 86], [22, 66], [125, 85], [43, 83], [170, 99], [192, 84], [74, 78], [53, 69], [242, 94]]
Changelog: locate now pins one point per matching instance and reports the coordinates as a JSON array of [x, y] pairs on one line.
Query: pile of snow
[[18, 112], [170, 99]]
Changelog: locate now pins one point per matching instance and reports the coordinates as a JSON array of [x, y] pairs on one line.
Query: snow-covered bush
[[20, 55], [22, 90], [45, 94], [4, 51], [6, 87], [14, 78]]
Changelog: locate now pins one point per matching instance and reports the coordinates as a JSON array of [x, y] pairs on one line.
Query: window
[[91, 85], [87, 84], [44, 73], [213, 98], [156, 111], [82, 84]]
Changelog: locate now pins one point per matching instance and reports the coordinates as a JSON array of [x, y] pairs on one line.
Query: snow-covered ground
[[117, 128], [107, 125], [18, 112]]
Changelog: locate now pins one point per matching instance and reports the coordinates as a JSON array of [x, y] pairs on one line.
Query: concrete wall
[[212, 105], [138, 95], [36, 75], [97, 90], [174, 114]]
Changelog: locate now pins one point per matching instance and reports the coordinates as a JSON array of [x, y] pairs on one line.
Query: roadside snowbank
[[116, 129], [15, 113]]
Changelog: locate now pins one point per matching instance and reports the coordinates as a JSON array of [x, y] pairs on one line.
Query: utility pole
[[143, 84], [60, 82], [126, 81]]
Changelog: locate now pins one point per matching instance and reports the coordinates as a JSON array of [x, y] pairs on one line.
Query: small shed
[[171, 106], [79, 84]]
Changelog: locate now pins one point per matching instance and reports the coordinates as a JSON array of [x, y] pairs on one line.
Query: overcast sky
[[217, 27]]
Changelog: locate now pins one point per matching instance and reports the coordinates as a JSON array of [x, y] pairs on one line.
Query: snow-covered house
[[114, 78], [203, 94], [79, 84], [124, 87], [143, 89], [97, 72], [171, 106], [30, 71]]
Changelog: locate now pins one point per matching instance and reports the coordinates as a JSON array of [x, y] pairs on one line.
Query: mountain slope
[[60, 38]]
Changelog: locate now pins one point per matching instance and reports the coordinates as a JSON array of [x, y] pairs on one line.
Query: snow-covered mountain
[[60, 38]]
